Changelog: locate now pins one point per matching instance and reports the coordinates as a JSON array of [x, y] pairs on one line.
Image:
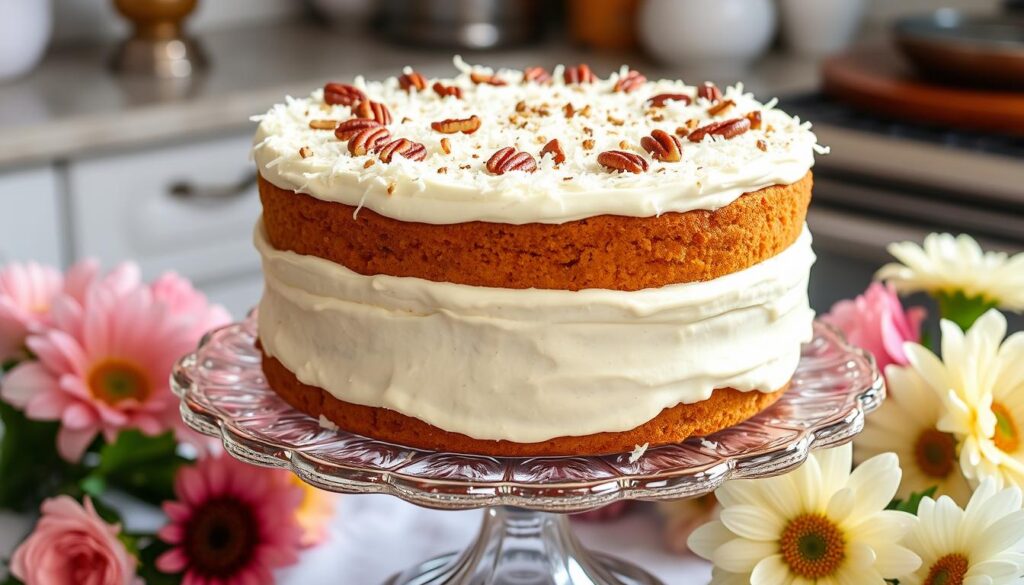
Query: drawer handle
[[212, 194]]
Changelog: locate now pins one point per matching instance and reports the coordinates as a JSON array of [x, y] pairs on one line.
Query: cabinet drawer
[[187, 208], [30, 221]]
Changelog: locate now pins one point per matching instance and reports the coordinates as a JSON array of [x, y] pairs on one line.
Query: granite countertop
[[72, 106]]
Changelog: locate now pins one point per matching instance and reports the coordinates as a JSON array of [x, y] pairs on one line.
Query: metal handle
[[212, 194]]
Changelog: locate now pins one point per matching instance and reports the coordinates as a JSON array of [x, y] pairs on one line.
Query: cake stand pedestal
[[525, 538]]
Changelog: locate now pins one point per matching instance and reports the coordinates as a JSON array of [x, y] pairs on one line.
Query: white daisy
[[981, 382], [947, 264], [907, 424], [818, 524], [981, 545]]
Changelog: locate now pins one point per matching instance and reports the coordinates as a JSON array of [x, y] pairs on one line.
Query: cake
[[531, 263]]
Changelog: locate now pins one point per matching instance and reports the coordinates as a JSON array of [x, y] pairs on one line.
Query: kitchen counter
[[74, 106]]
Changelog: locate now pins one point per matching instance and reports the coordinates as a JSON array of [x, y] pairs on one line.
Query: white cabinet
[[238, 295], [188, 208], [30, 218]]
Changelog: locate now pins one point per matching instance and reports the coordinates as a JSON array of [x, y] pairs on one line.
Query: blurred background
[[124, 126]]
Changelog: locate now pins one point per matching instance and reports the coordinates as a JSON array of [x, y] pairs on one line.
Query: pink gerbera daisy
[[188, 304], [102, 366], [232, 523]]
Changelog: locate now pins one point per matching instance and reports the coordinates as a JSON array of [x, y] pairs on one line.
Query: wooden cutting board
[[879, 80]]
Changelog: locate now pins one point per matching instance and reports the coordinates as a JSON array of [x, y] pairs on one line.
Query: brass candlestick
[[158, 46]]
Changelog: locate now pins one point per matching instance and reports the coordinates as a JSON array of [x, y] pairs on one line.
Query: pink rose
[[72, 545], [877, 322]]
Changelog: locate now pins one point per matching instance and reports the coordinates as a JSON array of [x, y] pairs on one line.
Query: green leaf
[[960, 309], [29, 464], [911, 504], [142, 465]]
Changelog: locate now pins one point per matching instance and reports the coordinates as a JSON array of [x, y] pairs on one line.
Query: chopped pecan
[[305, 152], [349, 128], [342, 94], [725, 129], [589, 144], [507, 159], [486, 79], [403, 147], [630, 82], [579, 74], [659, 101], [412, 80], [555, 150], [709, 91], [373, 110], [446, 145], [369, 140], [721, 107], [662, 146], [447, 90], [762, 146], [323, 124], [755, 120], [538, 75], [452, 125], [622, 161]]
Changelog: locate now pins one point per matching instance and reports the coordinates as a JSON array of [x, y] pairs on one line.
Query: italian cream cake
[[536, 262]]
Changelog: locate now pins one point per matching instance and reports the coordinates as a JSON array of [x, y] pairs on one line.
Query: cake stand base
[[522, 547]]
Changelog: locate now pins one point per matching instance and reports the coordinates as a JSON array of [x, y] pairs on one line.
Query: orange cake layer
[[608, 252], [726, 407]]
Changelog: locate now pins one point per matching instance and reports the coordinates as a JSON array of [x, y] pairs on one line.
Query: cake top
[[529, 146]]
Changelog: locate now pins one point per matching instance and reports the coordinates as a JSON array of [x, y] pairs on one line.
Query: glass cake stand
[[525, 538]]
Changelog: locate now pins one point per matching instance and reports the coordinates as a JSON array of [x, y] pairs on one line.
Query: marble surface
[[375, 536], [72, 105]]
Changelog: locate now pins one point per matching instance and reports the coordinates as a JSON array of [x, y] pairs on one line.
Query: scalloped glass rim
[[224, 395]]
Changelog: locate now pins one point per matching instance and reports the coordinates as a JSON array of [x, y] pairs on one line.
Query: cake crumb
[[325, 423], [638, 452], [391, 188]]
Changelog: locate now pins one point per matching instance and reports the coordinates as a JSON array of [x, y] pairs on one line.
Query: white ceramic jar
[[707, 33], [820, 27], [25, 30]]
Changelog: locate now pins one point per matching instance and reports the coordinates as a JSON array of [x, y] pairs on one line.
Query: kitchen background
[[122, 166]]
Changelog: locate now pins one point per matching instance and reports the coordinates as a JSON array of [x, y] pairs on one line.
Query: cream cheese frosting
[[530, 365], [455, 187]]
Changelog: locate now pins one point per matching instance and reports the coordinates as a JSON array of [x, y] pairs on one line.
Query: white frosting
[[530, 365], [712, 174]]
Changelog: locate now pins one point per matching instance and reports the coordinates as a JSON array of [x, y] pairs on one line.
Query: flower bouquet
[[86, 410]]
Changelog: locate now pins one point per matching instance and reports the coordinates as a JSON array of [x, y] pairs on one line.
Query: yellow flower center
[[813, 546], [949, 570], [114, 381], [1007, 437], [935, 453]]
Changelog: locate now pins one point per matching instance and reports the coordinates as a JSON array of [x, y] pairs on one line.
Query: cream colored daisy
[[820, 524], [947, 264], [981, 382], [907, 424], [981, 545]]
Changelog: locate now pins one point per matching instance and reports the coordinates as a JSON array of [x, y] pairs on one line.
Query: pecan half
[[452, 125], [725, 129], [721, 107], [538, 75], [447, 90], [368, 140], [659, 101], [630, 82], [507, 159], [755, 120], [555, 150], [373, 110], [662, 146], [402, 147], [349, 128], [342, 94], [622, 161], [486, 79], [579, 74], [323, 124], [709, 91], [412, 80]]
